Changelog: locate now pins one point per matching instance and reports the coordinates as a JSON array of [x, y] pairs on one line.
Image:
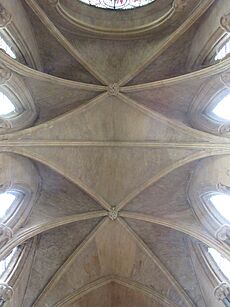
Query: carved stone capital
[[5, 74], [223, 188], [113, 89], [179, 4], [6, 185], [5, 17], [222, 291], [223, 233], [113, 213], [224, 130], [225, 78], [6, 292], [225, 22], [6, 233]]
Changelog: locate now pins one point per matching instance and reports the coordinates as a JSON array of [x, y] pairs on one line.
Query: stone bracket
[[222, 291], [6, 292], [223, 233]]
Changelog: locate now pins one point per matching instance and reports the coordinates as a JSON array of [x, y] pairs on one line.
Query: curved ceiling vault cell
[[114, 153]]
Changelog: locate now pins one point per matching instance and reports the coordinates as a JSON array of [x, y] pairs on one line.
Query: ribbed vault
[[115, 148]]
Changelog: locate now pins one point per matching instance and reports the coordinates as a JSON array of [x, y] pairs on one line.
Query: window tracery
[[117, 4], [223, 50]]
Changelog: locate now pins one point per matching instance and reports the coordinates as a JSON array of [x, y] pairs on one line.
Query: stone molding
[[222, 291], [222, 188], [224, 130], [223, 233], [5, 17], [225, 78], [53, 2], [6, 233], [5, 74], [6, 292], [225, 22], [179, 4]]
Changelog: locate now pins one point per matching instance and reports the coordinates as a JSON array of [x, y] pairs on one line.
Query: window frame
[[210, 208], [215, 100], [219, 43]]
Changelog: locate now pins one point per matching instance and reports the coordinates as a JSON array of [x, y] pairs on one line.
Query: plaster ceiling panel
[[53, 99], [20, 284], [110, 118], [162, 199], [54, 57], [54, 247], [59, 198], [170, 63], [115, 59], [114, 294], [172, 100], [123, 296], [111, 251], [101, 296], [172, 248], [122, 170]]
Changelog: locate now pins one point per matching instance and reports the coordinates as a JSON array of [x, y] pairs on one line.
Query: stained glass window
[[6, 106], [7, 48], [117, 4]]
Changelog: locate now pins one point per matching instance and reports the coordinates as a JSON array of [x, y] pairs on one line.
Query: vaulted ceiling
[[115, 149]]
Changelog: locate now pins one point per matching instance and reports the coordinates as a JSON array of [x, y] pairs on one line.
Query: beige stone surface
[[118, 155]]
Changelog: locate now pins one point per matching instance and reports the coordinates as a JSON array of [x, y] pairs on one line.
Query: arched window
[[7, 108], [6, 201], [222, 264], [223, 49], [5, 46], [222, 108], [9, 203], [221, 202], [17, 109], [8, 263]]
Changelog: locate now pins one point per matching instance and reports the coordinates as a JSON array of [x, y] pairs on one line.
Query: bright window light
[[222, 204], [223, 51], [6, 106], [4, 264], [6, 48], [6, 200], [117, 4], [222, 109], [222, 263]]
